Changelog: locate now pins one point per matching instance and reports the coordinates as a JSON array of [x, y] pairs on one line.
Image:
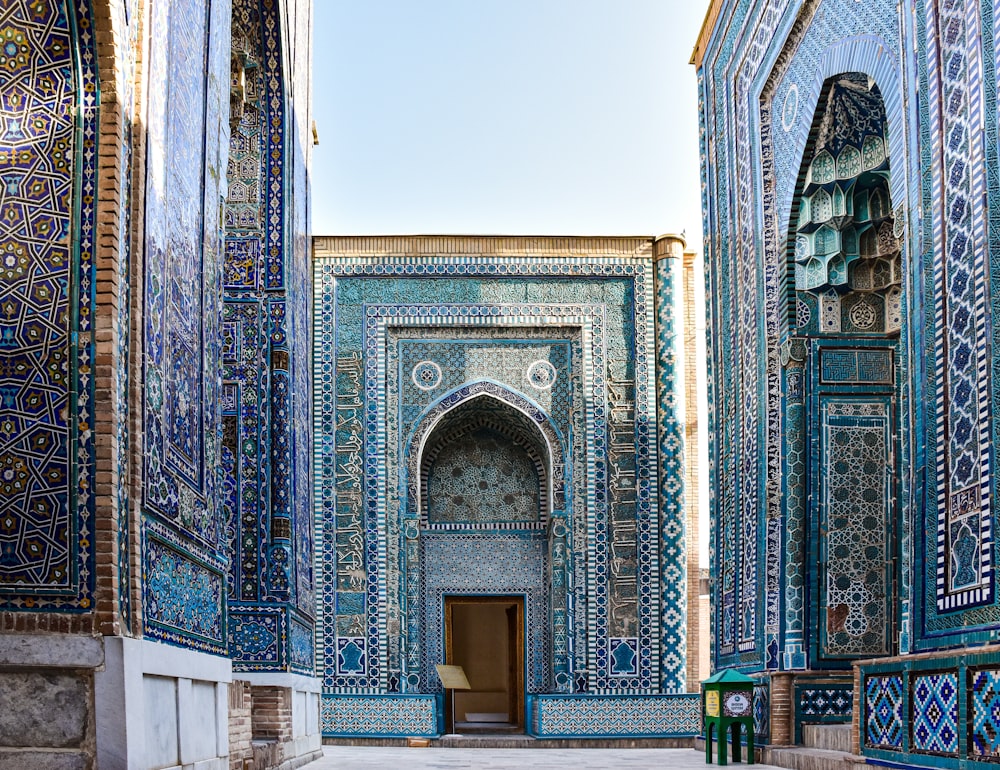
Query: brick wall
[[271, 718], [240, 732]]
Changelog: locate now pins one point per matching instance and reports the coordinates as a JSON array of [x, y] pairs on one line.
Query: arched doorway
[[845, 317], [485, 487]]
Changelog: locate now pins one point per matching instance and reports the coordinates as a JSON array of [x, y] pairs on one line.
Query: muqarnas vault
[[496, 426]]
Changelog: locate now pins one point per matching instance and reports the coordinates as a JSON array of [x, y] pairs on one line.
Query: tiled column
[[667, 254], [793, 357]]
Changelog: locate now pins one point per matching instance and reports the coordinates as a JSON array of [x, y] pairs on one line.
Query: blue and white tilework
[[556, 355], [934, 702], [379, 716], [265, 334], [638, 716], [48, 136], [182, 523], [784, 87]]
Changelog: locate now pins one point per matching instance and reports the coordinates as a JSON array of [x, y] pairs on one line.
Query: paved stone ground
[[371, 757]]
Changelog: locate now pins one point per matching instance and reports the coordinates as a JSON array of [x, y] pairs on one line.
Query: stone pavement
[[372, 757]]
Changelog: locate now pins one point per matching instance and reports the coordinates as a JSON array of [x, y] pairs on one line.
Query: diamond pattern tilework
[[934, 703], [673, 567], [762, 712], [883, 712], [984, 740], [964, 574]]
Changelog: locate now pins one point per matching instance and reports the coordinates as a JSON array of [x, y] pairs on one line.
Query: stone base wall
[[159, 706], [50, 681]]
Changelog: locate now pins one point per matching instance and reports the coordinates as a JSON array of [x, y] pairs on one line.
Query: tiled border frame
[[378, 319]]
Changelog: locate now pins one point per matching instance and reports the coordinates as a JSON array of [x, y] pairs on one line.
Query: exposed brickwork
[[782, 709], [240, 732], [135, 395], [271, 713], [856, 713], [112, 43], [29, 623]]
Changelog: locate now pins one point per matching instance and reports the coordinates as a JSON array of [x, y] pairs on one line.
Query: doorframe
[[517, 696]]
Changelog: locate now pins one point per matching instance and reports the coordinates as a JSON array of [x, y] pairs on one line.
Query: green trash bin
[[727, 703]]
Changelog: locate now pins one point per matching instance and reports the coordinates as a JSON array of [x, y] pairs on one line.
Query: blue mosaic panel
[[762, 712], [255, 638], [381, 716], [483, 461], [826, 702], [934, 721], [184, 586], [497, 564], [773, 57], [624, 656], [48, 135], [672, 535], [301, 652], [569, 716], [856, 476], [883, 714], [265, 352], [984, 739], [184, 599], [175, 361]]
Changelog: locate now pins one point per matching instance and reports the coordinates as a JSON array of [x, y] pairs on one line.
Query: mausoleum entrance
[[485, 636]]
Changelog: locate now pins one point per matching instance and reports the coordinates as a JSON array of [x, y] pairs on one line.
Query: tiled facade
[[120, 498], [849, 169], [429, 351]]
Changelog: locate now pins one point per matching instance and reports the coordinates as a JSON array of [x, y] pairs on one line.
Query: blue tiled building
[[496, 421], [850, 184], [156, 550]]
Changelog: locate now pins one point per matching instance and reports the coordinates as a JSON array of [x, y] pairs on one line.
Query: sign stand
[[452, 678]]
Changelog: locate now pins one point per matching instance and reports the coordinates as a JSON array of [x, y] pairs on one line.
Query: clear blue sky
[[506, 117]]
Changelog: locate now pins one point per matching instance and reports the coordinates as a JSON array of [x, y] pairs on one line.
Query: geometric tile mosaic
[[390, 363], [184, 586], [556, 716], [883, 726], [856, 476], [265, 355], [762, 712], [379, 715], [486, 563], [826, 702], [984, 738], [934, 706], [48, 162]]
